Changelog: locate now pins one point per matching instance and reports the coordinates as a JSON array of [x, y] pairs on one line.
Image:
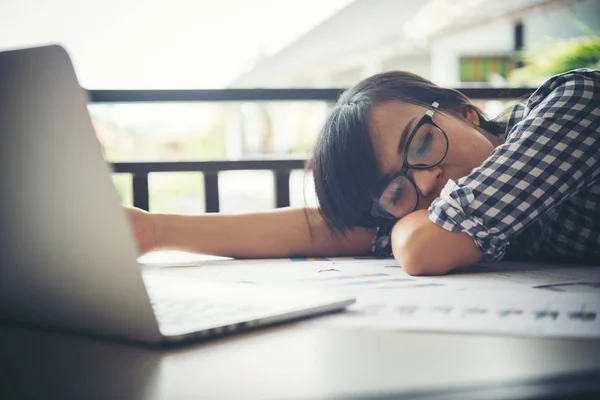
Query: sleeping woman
[[405, 168]]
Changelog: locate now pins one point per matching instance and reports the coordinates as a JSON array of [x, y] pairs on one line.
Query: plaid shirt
[[537, 196]]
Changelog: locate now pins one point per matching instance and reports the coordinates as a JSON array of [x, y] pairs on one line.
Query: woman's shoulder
[[593, 73], [578, 85], [568, 100]]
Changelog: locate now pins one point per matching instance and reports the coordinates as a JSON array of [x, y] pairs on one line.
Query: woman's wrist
[[183, 232], [161, 231]]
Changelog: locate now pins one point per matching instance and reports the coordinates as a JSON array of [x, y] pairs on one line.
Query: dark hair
[[343, 162]]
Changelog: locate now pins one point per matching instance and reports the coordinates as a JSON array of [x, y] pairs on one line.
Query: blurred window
[[485, 69]]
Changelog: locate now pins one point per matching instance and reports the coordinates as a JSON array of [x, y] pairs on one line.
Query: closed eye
[[424, 144], [399, 188]]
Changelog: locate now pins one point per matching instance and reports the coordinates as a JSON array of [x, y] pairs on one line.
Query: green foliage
[[555, 57]]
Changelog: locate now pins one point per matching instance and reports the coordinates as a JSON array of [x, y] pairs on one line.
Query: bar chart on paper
[[473, 311], [378, 280]]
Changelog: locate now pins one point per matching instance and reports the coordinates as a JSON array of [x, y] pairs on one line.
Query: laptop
[[67, 256]]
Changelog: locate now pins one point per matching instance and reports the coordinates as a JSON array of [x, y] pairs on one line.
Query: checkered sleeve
[[550, 155]]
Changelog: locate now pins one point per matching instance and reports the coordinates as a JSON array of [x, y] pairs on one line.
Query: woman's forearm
[[423, 248], [279, 233]]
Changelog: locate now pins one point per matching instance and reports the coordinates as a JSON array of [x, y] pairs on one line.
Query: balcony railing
[[281, 168]]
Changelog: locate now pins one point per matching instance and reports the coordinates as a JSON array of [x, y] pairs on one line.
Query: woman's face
[[468, 146]]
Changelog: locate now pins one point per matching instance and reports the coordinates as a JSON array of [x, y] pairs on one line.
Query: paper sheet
[[444, 303]]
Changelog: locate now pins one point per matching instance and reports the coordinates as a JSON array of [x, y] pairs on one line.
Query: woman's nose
[[426, 180]]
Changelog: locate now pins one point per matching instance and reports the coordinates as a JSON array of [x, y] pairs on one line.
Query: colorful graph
[[546, 314], [378, 280], [510, 312], [582, 316], [309, 259], [475, 311], [441, 310], [415, 286]]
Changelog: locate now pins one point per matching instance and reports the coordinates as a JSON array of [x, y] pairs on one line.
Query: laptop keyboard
[[184, 305], [171, 311]]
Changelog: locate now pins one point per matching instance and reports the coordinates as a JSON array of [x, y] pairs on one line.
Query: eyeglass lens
[[427, 148]]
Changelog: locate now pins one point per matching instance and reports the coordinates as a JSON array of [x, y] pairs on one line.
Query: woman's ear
[[470, 115]]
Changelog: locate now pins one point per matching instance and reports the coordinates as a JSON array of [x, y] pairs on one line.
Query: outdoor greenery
[[556, 56]]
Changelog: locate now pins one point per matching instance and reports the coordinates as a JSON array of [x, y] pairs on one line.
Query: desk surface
[[299, 360]]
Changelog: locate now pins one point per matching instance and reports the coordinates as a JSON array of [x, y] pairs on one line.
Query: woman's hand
[[144, 229]]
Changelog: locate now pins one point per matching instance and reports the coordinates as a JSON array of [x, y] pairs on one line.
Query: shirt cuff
[[448, 212]]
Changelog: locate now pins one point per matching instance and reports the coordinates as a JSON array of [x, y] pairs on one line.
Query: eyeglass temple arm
[[432, 109]]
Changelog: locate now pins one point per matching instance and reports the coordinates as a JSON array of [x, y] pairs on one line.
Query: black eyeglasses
[[426, 147]]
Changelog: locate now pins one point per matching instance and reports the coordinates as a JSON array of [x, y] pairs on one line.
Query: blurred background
[[202, 44]]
